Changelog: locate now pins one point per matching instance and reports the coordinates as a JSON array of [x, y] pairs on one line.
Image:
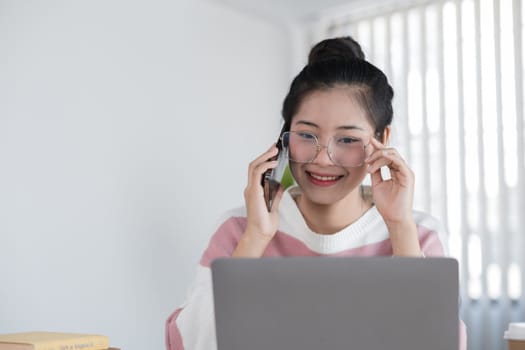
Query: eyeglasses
[[343, 150]]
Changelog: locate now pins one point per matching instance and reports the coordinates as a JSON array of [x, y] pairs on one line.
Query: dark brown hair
[[339, 48], [340, 62]]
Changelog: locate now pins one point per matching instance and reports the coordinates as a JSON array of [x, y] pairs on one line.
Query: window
[[457, 72]]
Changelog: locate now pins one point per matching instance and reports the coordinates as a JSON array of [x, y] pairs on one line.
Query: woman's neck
[[332, 218]]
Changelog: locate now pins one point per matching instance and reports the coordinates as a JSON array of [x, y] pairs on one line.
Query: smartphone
[[272, 178]]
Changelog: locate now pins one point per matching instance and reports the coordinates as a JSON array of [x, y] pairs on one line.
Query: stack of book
[[54, 341]]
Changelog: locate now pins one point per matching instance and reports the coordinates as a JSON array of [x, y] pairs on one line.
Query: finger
[[392, 161], [383, 152], [381, 162], [399, 170], [256, 173], [376, 143], [271, 152], [376, 178]]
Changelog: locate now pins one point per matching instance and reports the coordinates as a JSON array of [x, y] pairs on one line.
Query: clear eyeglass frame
[[285, 137]]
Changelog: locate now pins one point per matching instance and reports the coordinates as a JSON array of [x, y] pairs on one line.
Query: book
[[53, 341]]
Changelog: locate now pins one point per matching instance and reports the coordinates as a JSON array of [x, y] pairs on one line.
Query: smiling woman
[[337, 118], [338, 121]]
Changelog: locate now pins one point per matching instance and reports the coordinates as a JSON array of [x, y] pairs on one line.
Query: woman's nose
[[323, 157]]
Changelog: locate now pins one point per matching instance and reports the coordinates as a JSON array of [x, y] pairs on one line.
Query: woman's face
[[331, 115]]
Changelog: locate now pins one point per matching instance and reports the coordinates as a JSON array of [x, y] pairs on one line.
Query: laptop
[[356, 303]]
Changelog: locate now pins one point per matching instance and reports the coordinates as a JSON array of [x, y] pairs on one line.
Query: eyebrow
[[342, 127]]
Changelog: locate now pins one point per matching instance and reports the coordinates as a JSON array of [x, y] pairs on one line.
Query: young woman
[[337, 118]]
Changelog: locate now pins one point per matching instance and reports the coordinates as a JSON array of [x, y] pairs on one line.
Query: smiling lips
[[323, 180]]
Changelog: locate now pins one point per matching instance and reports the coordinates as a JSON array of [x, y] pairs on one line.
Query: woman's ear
[[386, 135]]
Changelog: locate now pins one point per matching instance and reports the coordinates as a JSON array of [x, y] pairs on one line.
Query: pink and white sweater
[[191, 327]]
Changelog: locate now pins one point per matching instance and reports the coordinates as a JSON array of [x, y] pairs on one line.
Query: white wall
[[126, 129]]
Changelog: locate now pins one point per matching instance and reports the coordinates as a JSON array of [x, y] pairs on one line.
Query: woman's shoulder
[[229, 228], [235, 212], [233, 216], [432, 234], [427, 220]]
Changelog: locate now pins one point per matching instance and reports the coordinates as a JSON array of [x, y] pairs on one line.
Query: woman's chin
[[323, 198]]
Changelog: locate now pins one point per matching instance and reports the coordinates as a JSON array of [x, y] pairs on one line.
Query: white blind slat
[[519, 255]]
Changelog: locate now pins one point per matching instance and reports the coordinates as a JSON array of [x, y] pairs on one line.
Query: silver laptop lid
[[303, 303]]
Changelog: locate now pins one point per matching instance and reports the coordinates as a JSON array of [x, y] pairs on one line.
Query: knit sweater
[[191, 327]]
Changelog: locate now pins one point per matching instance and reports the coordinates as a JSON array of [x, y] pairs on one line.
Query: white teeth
[[324, 178]]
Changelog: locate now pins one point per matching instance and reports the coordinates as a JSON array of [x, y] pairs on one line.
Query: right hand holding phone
[[261, 223]]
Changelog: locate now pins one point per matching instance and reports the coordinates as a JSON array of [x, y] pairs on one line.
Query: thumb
[[277, 199]]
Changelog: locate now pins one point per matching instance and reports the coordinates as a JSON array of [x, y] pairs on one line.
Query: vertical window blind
[[457, 72]]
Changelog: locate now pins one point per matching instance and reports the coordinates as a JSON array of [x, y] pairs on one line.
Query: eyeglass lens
[[343, 150]]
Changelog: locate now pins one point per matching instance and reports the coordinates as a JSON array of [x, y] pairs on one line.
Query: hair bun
[[336, 48]]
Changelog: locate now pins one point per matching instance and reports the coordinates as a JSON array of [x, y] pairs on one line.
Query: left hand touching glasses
[[393, 197]]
